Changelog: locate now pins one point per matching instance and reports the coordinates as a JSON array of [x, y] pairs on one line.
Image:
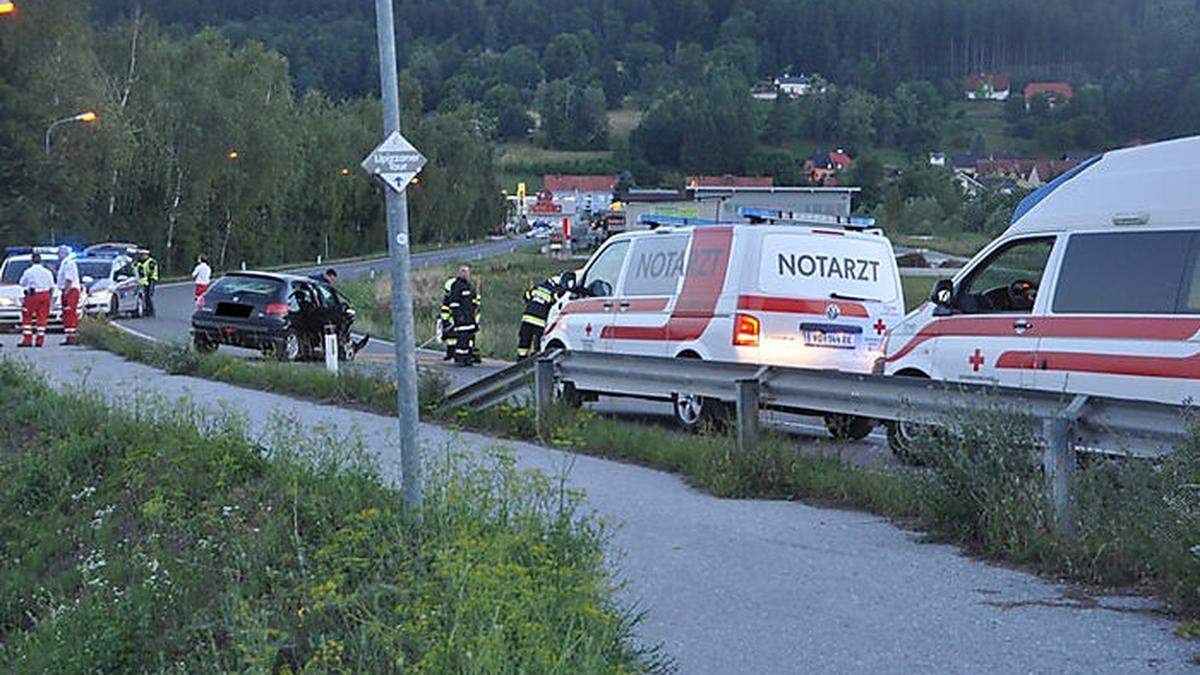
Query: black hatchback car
[[282, 315]]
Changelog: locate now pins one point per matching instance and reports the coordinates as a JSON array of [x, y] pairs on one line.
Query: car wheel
[[139, 308], [902, 436], [114, 307], [849, 427], [695, 413], [204, 345], [288, 347]]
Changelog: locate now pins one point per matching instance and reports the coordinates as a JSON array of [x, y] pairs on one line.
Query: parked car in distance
[[282, 315], [111, 249]]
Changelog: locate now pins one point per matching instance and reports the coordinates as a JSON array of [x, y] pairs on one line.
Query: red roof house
[[557, 183], [1056, 92], [987, 86]]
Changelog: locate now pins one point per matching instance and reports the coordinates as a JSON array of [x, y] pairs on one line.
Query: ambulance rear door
[[824, 298]]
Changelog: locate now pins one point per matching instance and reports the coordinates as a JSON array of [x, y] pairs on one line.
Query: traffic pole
[[398, 254]]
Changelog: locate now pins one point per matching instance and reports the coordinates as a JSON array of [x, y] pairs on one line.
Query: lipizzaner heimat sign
[[395, 161]]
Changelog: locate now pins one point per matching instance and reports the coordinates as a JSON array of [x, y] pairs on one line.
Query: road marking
[[135, 333]]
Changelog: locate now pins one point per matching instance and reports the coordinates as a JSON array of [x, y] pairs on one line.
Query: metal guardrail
[[492, 389], [1069, 423]]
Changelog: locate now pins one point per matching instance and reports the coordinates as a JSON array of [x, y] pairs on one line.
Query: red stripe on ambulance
[[763, 303]]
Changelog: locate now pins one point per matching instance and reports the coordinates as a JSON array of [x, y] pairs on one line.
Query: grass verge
[[162, 540], [1138, 523]]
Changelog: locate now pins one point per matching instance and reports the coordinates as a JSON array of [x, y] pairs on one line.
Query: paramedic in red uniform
[[38, 284], [70, 287]]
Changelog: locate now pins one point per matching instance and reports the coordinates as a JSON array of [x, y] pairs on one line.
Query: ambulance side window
[[656, 265], [1007, 281], [1126, 273], [602, 277]]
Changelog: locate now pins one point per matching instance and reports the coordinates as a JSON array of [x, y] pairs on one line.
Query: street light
[[8, 8], [233, 154], [85, 117], [345, 172]]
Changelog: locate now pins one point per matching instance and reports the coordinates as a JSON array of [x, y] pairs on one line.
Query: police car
[[796, 289], [110, 286], [12, 296], [1093, 289]]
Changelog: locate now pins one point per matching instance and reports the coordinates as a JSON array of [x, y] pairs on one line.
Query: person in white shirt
[[201, 276], [38, 283], [70, 288]]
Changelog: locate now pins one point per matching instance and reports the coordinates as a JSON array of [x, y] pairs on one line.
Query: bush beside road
[[1139, 524]]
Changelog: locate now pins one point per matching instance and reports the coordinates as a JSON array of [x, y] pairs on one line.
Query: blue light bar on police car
[[756, 213]]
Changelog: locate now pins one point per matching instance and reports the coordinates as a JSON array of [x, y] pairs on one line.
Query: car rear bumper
[[250, 336]]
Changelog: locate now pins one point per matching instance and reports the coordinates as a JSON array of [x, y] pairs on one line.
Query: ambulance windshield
[[818, 267]]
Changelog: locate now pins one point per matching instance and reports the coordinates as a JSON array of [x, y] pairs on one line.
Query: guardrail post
[[543, 391], [747, 415], [1058, 462], [331, 349]]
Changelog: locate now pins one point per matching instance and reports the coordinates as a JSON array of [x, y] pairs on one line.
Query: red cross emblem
[[588, 328], [880, 326], [976, 360]]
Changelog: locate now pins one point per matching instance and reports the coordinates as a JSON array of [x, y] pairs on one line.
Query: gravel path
[[765, 586]]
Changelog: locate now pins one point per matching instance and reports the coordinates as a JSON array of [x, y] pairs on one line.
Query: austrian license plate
[[832, 336]]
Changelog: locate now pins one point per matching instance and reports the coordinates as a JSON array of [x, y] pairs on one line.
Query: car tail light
[[276, 309], [745, 331]]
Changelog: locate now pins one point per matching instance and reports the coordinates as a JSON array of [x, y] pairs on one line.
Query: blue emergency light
[[762, 215], [660, 221]]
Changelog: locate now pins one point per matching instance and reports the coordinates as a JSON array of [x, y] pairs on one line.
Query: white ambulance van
[[813, 293], [1094, 289]]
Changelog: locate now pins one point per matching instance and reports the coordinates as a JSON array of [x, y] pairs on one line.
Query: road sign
[[395, 161]]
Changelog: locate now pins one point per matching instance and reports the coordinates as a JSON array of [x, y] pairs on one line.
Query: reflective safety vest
[[147, 271], [539, 300]]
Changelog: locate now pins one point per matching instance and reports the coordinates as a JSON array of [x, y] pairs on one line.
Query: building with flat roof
[[721, 203]]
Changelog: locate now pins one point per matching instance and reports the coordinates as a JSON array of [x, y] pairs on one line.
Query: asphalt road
[[753, 586], [174, 302]]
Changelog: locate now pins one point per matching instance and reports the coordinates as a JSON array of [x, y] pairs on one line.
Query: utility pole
[[398, 254]]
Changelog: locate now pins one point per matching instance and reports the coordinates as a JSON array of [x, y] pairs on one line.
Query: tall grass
[[165, 540]]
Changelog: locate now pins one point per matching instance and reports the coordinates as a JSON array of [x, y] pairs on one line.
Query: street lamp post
[[84, 117], [8, 8]]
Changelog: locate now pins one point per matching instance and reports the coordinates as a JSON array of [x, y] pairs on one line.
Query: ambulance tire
[[900, 434], [849, 427], [570, 395], [700, 413]]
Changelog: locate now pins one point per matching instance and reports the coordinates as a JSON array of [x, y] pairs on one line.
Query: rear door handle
[[1021, 325], [607, 304], [624, 305]]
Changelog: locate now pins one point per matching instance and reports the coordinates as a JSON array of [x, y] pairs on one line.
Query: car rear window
[[96, 269], [1124, 273], [254, 287], [821, 266]]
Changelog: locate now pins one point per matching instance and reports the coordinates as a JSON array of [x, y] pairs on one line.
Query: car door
[[985, 321], [652, 277], [1124, 317], [305, 311], [125, 285], [587, 315]]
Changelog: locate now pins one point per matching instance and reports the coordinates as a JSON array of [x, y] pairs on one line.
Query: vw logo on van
[[832, 312]]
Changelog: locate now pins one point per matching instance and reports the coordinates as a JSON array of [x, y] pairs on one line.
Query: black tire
[[697, 413], [204, 345], [289, 347], [901, 435], [570, 395], [849, 427], [114, 307]]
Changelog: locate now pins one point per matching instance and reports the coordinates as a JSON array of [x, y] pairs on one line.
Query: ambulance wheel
[[696, 413], [903, 436], [849, 427], [570, 395]]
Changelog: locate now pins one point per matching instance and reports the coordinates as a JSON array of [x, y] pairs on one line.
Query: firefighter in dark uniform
[[539, 300], [460, 318]]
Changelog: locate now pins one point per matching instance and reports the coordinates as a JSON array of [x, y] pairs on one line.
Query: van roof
[[856, 232], [1148, 185]]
